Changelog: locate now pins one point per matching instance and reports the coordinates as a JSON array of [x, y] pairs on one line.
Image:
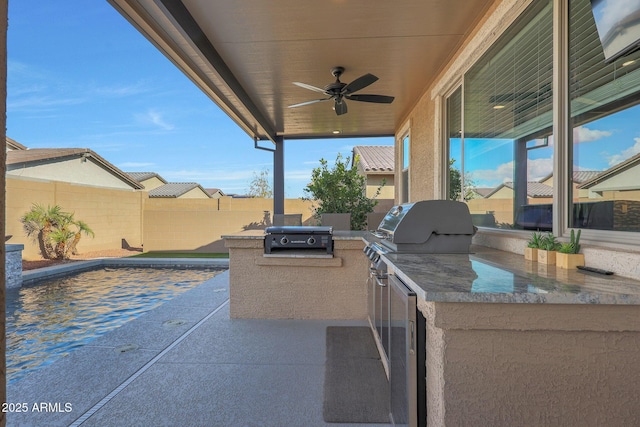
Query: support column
[[278, 177]]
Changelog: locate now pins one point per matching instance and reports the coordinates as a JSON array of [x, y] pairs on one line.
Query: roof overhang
[[246, 55]]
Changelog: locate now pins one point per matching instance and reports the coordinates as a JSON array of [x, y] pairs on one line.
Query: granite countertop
[[492, 276]]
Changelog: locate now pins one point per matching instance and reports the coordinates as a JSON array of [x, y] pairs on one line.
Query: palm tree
[[56, 231], [82, 227], [38, 223]]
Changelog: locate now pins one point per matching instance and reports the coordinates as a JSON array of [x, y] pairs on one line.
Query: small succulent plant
[[573, 246], [535, 240], [549, 242]]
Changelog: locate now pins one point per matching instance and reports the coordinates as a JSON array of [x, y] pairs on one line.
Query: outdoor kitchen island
[[508, 342], [297, 284], [513, 343]]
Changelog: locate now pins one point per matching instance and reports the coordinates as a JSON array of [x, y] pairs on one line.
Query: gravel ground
[[111, 253]]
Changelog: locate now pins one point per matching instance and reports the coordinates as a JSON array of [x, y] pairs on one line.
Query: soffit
[[260, 48]]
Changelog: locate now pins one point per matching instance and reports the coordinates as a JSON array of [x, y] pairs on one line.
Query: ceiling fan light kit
[[339, 92]]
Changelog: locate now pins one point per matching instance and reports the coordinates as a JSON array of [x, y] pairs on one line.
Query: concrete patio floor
[[186, 363]]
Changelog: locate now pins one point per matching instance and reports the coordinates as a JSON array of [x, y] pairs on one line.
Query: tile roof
[[375, 158], [483, 191], [143, 176], [175, 189], [213, 191], [612, 171], [578, 176], [40, 155], [534, 189]]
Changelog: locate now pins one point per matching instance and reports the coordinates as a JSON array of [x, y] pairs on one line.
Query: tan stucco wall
[[112, 214], [422, 162], [77, 170], [198, 224], [297, 288], [375, 181], [532, 364]]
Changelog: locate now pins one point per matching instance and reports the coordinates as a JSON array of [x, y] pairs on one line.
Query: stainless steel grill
[[429, 226]]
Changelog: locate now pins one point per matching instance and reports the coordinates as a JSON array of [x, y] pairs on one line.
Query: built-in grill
[[432, 226], [288, 238], [429, 226]]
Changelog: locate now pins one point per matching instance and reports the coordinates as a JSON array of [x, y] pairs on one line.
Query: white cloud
[[492, 177], [614, 11], [298, 175], [120, 90], [584, 134], [41, 103], [539, 168], [155, 118], [625, 154]]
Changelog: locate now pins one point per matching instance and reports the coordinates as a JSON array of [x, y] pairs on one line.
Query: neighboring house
[[537, 192], [376, 163], [478, 192], [180, 190], [216, 193], [14, 145], [149, 180], [73, 165], [618, 182], [579, 177]]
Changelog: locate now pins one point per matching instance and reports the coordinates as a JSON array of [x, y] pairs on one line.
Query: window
[[404, 195], [455, 181], [505, 152], [505, 149], [604, 166]]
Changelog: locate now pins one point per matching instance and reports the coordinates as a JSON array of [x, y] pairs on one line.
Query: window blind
[[508, 93]]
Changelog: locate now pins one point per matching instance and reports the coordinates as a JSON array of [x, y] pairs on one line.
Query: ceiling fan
[[339, 92]]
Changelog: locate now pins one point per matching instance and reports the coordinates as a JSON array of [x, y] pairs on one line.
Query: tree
[[260, 185], [341, 190], [455, 183], [56, 231]]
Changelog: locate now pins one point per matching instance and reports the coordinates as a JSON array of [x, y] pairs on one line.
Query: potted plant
[[568, 256], [547, 250], [531, 251]]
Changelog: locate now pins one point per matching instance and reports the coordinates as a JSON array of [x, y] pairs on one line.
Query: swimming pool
[[49, 319]]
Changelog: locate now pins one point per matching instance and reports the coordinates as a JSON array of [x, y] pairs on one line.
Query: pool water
[[47, 320]]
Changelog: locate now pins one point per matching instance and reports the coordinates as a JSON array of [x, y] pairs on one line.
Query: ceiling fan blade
[[359, 83], [308, 102], [340, 107], [381, 99], [306, 86]]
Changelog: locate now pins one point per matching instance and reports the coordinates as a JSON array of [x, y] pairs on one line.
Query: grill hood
[[429, 226]]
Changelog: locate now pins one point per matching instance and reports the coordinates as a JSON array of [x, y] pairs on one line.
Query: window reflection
[[605, 165]]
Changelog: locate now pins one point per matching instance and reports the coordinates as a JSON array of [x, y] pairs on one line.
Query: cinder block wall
[[112, 214], [154, 224]]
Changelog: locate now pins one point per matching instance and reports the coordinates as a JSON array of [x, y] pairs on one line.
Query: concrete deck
[[185, 363]]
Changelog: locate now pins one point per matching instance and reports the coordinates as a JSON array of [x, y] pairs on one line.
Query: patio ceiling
[[245, 55]]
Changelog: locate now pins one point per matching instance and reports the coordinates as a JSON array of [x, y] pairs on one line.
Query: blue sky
[[79, 75], [598, 145]]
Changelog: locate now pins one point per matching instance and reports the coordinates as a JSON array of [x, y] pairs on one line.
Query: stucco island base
[[532, 364], [297, 285]]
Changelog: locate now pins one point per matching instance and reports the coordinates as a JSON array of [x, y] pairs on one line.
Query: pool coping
[[31, 276]]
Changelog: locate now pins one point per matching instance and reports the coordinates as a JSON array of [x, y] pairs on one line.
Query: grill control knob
[[311, 241], [284, 241]]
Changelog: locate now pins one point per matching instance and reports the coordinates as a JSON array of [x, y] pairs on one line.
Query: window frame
[[561, 126]]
